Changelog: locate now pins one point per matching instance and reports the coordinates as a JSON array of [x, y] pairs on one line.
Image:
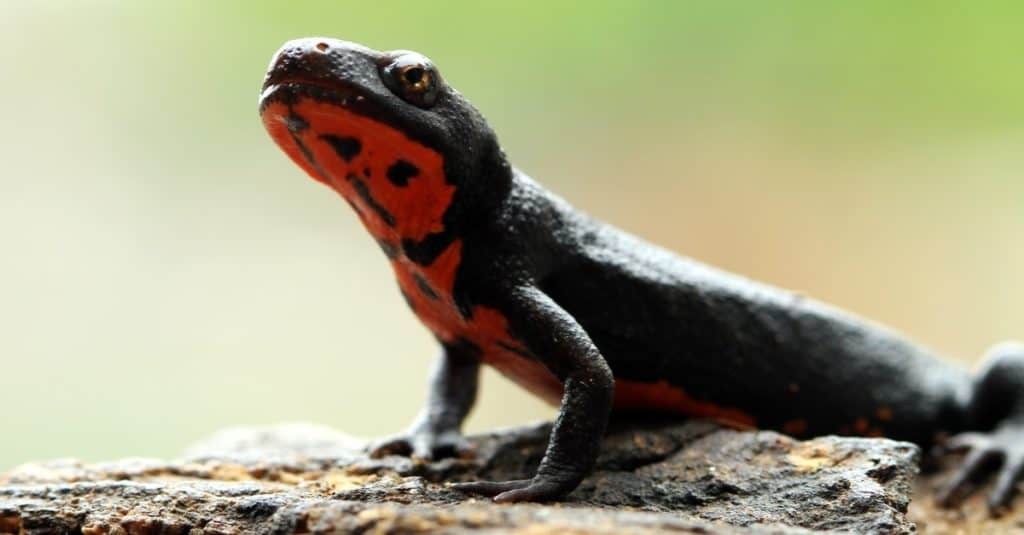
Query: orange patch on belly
[[662, 396], [438, 312]]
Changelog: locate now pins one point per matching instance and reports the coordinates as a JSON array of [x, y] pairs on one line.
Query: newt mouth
[[290, 88]]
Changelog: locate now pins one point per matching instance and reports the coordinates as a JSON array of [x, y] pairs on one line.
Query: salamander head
[[409, 153]]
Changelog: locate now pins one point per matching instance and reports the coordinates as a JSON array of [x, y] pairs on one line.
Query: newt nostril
[[322, 46]]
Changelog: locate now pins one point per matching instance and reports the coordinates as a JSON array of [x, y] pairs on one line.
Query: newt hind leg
[[996, 414]]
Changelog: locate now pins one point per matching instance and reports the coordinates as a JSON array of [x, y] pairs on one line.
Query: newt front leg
[[561, 344]]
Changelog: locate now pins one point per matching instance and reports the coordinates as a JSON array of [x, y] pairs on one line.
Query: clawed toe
[[1006, 484], [965, 442], [390, 446], [491, 488], [534, 492]]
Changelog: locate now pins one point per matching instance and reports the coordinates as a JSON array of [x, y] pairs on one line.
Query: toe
[[536, 492], [491, 488], [423, 448], [966, 442], [390, 446], [1006, 484]]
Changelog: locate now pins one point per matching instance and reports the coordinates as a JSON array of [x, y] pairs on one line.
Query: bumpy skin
[[505, 273]]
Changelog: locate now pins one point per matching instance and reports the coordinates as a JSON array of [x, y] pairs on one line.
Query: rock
[[694, 477]]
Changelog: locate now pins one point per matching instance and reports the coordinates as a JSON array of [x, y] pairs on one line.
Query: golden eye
[[415, 77], [412, 77]]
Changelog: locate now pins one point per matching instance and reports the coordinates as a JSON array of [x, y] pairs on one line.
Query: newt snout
[[317, 62]]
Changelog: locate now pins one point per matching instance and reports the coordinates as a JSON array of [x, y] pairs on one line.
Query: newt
[[590, 318]]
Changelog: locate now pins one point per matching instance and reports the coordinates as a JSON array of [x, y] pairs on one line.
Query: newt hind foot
[[997, 404]]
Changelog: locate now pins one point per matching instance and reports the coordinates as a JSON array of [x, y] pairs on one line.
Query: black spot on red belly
[[346, 147], [424, 286], [296, 123], [364, 193], [401, 171], [308, 155], [425, 251]]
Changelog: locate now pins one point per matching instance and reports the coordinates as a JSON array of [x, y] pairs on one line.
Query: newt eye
[[412, 77]]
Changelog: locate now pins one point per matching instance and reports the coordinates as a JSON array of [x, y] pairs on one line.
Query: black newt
[[583, 315]]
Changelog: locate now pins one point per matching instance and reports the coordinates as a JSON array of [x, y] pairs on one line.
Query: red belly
[[664, 397], [657, 397]]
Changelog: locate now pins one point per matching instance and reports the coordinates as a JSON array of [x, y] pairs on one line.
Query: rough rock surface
[[692, 477]]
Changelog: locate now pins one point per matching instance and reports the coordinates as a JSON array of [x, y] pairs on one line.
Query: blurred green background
[[166, 271]]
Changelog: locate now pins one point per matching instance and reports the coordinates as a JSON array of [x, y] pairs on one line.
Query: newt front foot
[[423, 444], [1000, 451]]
